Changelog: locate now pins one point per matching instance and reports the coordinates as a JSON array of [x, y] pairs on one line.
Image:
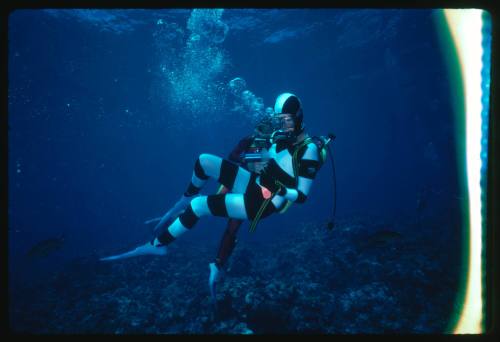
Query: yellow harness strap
[[259, 214], [219, 189]]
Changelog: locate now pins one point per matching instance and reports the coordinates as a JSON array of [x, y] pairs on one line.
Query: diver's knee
[[204, 158], [210, 164], [201, 169], [200, 206], [203, 162]]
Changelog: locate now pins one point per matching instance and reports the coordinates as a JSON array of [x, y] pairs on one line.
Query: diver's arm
[[308, 167], [295, 195]]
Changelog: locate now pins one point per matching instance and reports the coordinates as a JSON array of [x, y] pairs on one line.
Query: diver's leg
[[235, 206], [207, 166], [227, 243], [225, 172], [204, 166], [227, 205], [225, 249]]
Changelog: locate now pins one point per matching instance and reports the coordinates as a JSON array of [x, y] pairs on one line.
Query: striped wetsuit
[[248, 189]]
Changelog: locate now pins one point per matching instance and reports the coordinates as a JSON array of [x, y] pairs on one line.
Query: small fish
[[46, 247]]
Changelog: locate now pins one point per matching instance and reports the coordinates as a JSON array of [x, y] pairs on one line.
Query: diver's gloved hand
[[274, 186], [149, 248], [281, 190], [213, 279], [269, 184]]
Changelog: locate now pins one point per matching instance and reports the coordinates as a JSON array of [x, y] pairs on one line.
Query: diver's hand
[[271, 186], [282, 190], [277, 188]]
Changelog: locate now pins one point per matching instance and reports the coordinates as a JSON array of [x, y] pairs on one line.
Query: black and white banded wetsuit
[[248, 189]]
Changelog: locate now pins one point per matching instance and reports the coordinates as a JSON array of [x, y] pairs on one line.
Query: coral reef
[[361, 277]]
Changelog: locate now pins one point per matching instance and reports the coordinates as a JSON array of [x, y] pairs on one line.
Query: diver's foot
[[149, 248], [213, 278], [152, 248]]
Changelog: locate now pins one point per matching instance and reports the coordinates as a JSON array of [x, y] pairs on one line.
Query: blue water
[[109, 109]]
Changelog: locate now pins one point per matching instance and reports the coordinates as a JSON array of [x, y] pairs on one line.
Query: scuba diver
[[294, 160]]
